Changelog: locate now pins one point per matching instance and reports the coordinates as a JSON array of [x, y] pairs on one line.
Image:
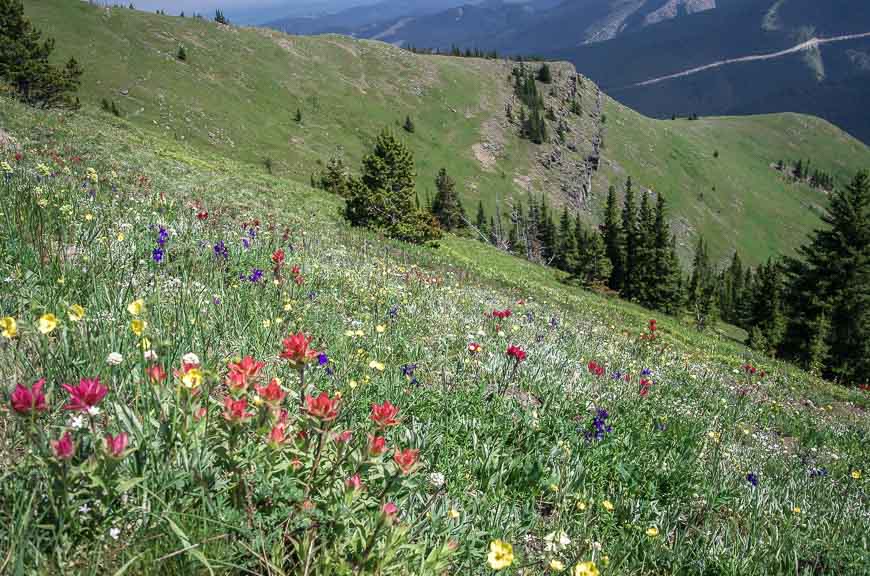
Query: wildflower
[[322, 359], [137, 326], [114, 359], [162, 236], [474, 347], [344, 437], [278, 257], [26, 400], [501, 555], [272, 394], [607, 505], [115, 445], [556, 565], [856, 474], [136, 307], [714, 436], [149, 354], [157, 255], [47, 323], [406, 460], [190, 359], [796, 510], [323, 407], [156, 374], [437, 479], [585, 569], [76, 313], [87, 394], [556, 541], [599, 425], [384, 415], [502, 314], [64, 449], [752, 478], [453, 513], [517, 353], [192, 378], [276, 435], [296, 350], [202, 216], [220, 250], [390, 510], [652, 531], [354, 483], [243, 372], [595, 368], [377, 445], [9, 326], [255, 276], [115, 533], [375, 365], [235, 411], [645, 386]]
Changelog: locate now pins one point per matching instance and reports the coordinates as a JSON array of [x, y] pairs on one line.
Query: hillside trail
[[803, 46]]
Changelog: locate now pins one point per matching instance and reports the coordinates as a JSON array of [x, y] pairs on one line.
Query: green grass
[[510, 443], [238, 92]]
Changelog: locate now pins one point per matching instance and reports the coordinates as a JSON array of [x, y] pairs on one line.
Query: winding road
[[808, 45]]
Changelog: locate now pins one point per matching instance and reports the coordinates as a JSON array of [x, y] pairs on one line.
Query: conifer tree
[[564, 237], [544, 74], [25, 66], [335, 177], [480, 220], [662, 292], [767, 323], [408, 126], [629, 242], [828, 289], [645, 272], [613, 241], [220, 18], [383, 197], [702, 292], [447, 207]]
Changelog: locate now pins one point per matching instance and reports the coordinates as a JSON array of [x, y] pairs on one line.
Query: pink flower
[[63, 448], [235, 411], [323, 407], [276, 436], [384, 415], [645, 386], [116, 445], [390, 510], [296, 350], [243, 372], [406, 460], [354, 483], [271, 394], [517, 353], [26, 400], [156, 374], [87, 394], [595, 368], [377, 445], [344, 437]]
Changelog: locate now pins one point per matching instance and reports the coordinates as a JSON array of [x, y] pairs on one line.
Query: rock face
[[671, 9]]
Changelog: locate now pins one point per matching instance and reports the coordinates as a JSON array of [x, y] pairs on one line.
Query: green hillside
[[237, 94]]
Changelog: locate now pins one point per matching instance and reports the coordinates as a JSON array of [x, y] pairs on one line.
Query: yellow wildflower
[[5, 167], [652, 531], [47, 323], [581, 505], [136, 307], [137, 326], [121, 237], [76, 313], [585, 569], [856, 474], [375, 365], [556, 565], [352, 384], [9, 326], [501, 555], [380, 328], [145, 343], [796, 509], [192, 379], [608, 505], [714, 436], [453, 513], [89, 217]]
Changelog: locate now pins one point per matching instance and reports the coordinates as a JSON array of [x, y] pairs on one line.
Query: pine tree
[[613, 241], [665, 269], [447, 207], [565, 237], [335, 178], [480, 220], [674, 300], [645, 272], [544, 74], [831, 282], [591, 266], [547, 230], [767, 321], [629, 243], [220, 18], [408, 126], [182, 53], [732, 291], [298, 117], [24, 62], [702, 292], [383, 197]]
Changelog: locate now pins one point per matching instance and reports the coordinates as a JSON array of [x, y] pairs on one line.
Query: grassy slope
[[238, 92], [487, 451]]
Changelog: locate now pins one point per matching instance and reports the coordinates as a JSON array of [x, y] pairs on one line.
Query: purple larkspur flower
[[221, 251], [394, 311], [256, 275], [252, 233], [752, 478], [157, 255], [246, 243], [322, 359], [646, 372], [162, 236]]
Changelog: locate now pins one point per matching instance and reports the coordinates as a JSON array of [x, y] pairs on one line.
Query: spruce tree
[[629, 243], [544, 74], [335, 178], [480, 220], [613, 241], [565, 236], [829, 288], [701, 293], [645, 271], [665, 269], [767, 323], [408, 126], [25, 66], [446, 207]]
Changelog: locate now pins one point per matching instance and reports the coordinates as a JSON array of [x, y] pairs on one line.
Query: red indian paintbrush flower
[[236, 411], [156, 374], [406, 459], [474, 347], [354, 482], [276, 435], [243, 373], [595, 368], [390, 510], [645, 386], [384, 415], [278, 257], [85, 395], [296, 350], [271, 394], [26, 400], [516, 353], [115, 445], [63, 448], [502, 314], [377, 445], [323, 407]]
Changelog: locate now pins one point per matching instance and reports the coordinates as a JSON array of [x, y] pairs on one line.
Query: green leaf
[[185, 541]]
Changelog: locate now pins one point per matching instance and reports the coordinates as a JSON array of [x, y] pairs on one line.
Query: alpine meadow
[[319, 305]]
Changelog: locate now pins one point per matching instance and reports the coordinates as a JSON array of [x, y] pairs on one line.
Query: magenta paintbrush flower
[[26, 400], [84, 396]]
